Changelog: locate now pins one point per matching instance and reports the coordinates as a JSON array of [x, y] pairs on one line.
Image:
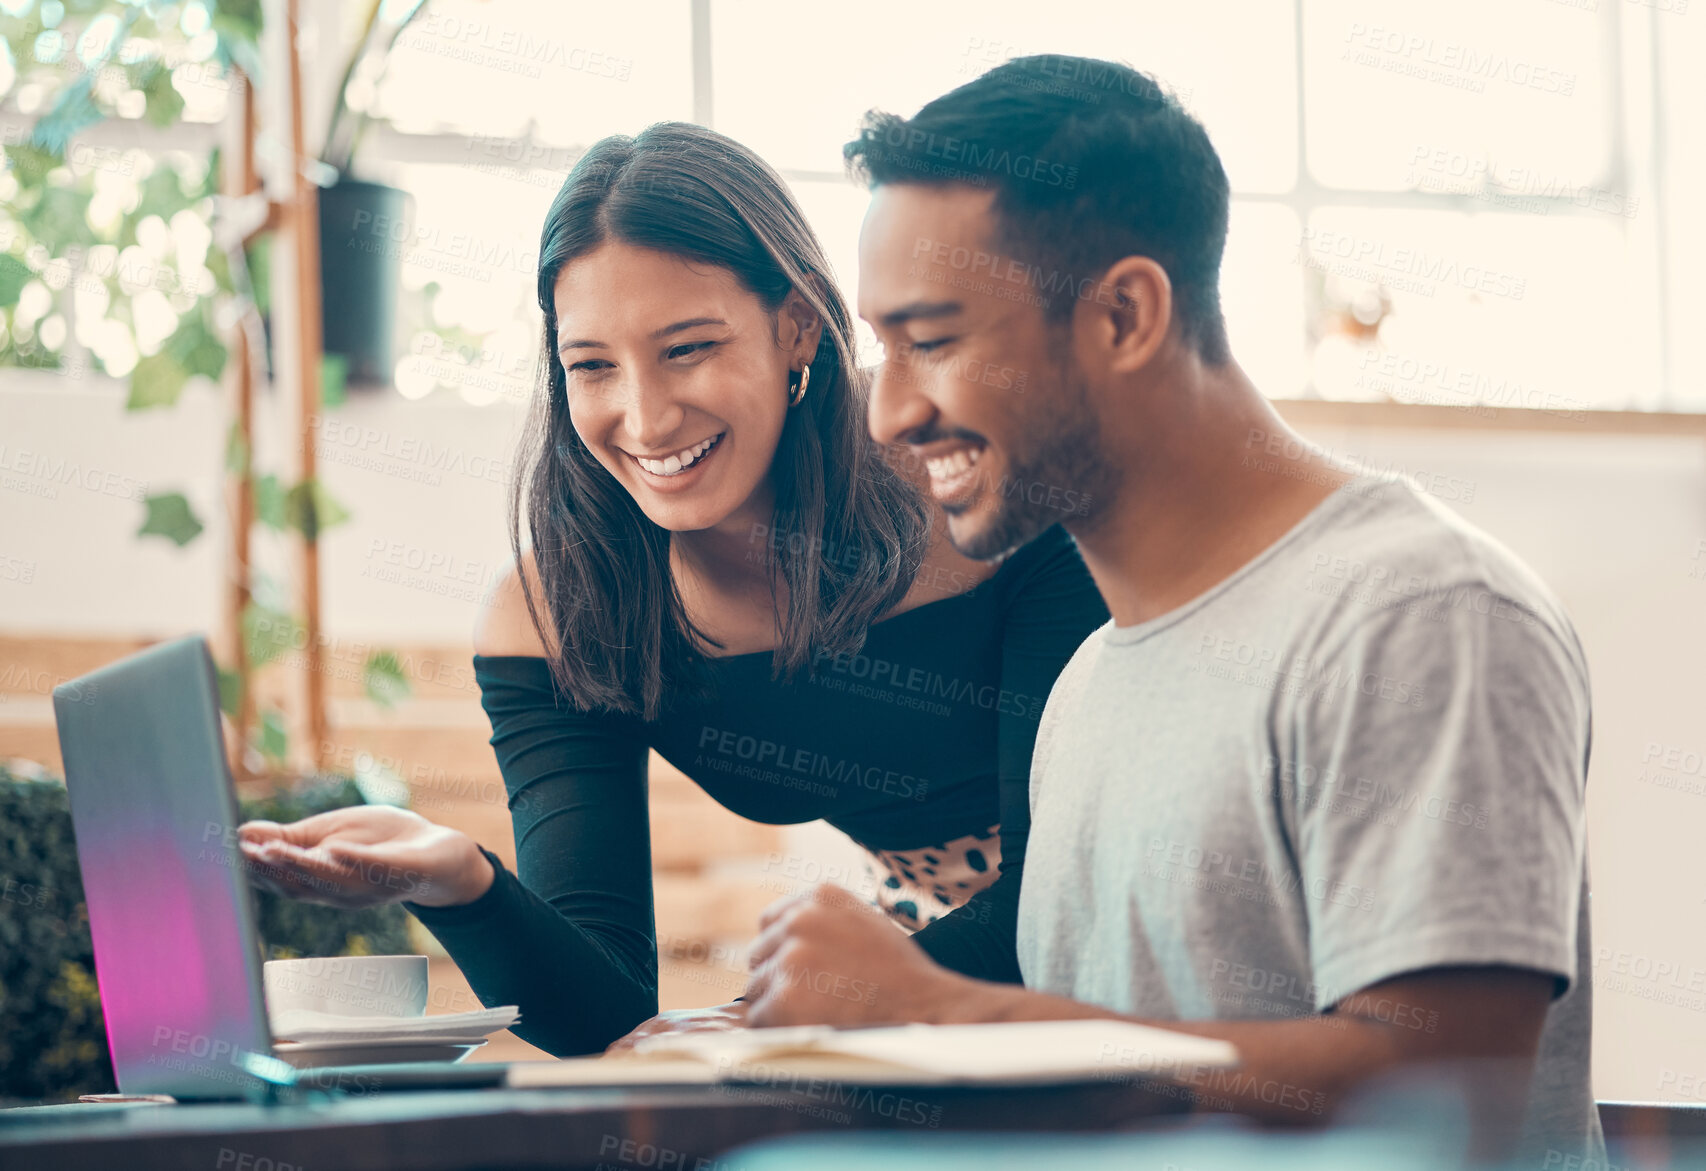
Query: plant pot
[[365, 228]]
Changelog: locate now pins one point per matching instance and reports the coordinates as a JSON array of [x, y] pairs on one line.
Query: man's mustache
[[920, 436]]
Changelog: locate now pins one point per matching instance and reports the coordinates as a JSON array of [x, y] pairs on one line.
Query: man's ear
[[798, 326], [1131, 310]]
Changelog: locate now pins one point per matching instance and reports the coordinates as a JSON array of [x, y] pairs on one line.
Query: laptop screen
[[170, 908]]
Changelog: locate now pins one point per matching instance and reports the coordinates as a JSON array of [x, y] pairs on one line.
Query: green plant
[[52, 1040], [121, 231], [52, 1036], [121, 242]]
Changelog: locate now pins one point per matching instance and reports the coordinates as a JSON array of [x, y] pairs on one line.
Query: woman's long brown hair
[[848, 532]]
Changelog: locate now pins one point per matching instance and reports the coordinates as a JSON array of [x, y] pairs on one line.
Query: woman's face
[[677, 379]]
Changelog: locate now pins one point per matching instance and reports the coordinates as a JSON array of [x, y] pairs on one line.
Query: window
[[1432, 198], [1434, 201]]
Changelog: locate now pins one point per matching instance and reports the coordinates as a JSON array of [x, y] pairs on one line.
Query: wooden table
[[658, 1129], [666, 1129]]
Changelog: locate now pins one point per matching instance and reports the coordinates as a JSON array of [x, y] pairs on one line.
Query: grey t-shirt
[[1363, 754]]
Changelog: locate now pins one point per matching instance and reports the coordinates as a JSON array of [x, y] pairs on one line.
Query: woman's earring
[[799, 392]]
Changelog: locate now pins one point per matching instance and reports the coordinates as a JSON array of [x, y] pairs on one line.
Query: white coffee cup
[[356, 986]]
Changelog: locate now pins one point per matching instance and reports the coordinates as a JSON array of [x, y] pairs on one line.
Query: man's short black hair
[[1091, 161]]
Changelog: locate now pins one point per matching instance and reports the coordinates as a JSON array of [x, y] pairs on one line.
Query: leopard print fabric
[[917, 887]]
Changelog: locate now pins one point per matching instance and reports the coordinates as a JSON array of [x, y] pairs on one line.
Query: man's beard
[[1063, 475]]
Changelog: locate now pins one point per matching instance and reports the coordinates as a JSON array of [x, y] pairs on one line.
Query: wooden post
[[297, 346], [305, 233], [237, 180]]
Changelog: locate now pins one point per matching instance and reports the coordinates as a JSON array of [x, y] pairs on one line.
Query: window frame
[[1305, 197]]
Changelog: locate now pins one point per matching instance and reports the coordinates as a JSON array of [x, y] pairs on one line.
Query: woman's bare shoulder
[[505, 627]]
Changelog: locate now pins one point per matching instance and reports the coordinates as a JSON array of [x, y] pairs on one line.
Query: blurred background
[[1463, 245]]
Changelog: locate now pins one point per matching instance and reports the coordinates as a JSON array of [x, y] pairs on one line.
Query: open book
[[1017, 1054]]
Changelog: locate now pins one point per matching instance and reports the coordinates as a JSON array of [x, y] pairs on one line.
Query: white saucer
[[456, 1028], [309, 1054]]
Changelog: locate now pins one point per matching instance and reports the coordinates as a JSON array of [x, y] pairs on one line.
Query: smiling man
[[1318, 787]]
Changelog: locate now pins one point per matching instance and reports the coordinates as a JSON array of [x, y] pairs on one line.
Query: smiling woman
[[724, 568], [684, 298], [651, 402]]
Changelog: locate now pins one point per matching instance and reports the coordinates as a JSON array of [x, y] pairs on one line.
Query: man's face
[[975, 384]]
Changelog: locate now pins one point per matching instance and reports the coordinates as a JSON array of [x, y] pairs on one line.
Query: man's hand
[[826, 958], [719, 1017]]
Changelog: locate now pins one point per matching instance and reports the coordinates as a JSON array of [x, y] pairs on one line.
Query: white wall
[[1615, 524], [424, 480]]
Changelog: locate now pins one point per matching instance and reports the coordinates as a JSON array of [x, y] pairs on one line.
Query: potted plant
[[95, 59], [363, 224]]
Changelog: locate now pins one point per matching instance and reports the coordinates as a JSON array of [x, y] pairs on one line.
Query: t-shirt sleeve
[[1435, 786], [570, 938], [1051, 606]]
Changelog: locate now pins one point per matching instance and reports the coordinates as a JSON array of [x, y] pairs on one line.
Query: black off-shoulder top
[[923, 737]]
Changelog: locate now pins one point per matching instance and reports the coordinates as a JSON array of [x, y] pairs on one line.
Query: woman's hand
[[721, 1017], [365, 856]]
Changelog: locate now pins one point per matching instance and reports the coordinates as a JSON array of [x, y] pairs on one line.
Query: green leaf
[[230, 692], [61, 216], [334, 371], [165, 105], [268, 633], [259, 255], [160, 378], [75, 106], [162, 194], [196, 347], [236, 451], [157, 381], [270, 506], [170, 516], [274, 741], [237, 24], [31, 163], [73, 109], [313, 510], [382, 676], [239, 17], [14, 275], [220, 266], [205, 183]]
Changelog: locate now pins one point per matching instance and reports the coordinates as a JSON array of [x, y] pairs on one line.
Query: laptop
[[171, 909]]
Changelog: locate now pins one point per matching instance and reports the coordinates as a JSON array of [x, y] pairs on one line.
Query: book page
[[1019, 1052]]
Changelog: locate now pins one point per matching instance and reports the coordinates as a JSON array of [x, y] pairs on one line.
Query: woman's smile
[[678, 470]]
